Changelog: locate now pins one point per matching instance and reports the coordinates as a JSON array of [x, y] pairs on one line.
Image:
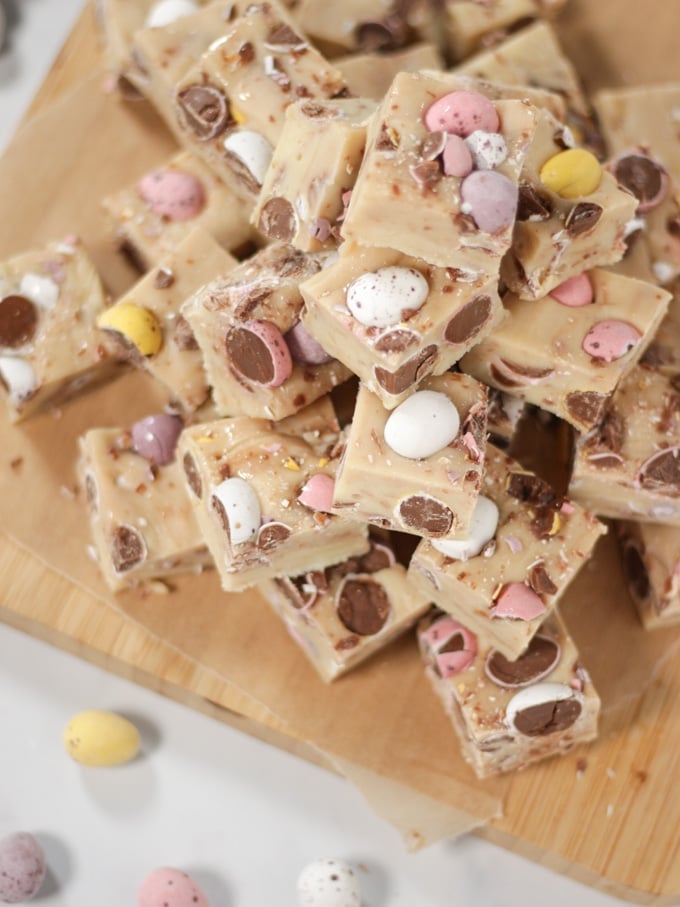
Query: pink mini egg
[[461, 113], [457, 158], [258, 351], [317, 492], [490, 199], [518, 601], [611, 339], [304, 348], [166, 887], [575, 292], [173, 194], [22, 868]]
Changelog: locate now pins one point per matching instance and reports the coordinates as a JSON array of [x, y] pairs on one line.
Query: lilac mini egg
[[155, 437]]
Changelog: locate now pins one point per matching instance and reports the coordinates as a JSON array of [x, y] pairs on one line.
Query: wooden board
[[617, 829]]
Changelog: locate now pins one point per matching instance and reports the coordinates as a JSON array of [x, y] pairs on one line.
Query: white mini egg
[[488, 149], [483, 525], [242, 508], [252, 149], [41, 290], [19, 376], [380, 298], [328, 883], [166, 11], [423, 424], [538, 694]]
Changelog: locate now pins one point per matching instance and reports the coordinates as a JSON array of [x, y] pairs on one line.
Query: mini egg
[[461, 113], [384, 297], [317, 493], [328, 883], [239, 509], [490, 199], [488, 149], [304, 348], [137, 325], [483, 525], [252, 149], [173, 194], [155, 437], [519, 602], [22, 868], [258, 351], [19, 378], [99, 738], [611, 339], [422, 425], [168, 887], [40, 289], [166, 11]]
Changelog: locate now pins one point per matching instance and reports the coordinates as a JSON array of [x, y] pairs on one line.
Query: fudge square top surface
[[408, 196], [418, 468], [507, 588], [629, 465], [393, 319], [258, 357], [565, 357], [49, 302]]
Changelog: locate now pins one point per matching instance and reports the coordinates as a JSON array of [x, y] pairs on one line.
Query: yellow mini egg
[[572, 173], [136, 324], [99, 738]]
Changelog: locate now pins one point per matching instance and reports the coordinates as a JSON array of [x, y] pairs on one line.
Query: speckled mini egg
[[99, 738], [328, 883], [22, 868], [167, 887]]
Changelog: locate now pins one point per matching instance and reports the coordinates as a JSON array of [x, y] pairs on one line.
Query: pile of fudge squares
[[471, 244]]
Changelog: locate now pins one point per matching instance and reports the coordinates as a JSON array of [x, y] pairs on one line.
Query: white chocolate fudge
[[663, 353], [150, 218], [369, 75], [628, 467], [568, 358], [262, 500], [644, 116], [651, 563], [394, 319], [504, 415], [49, 349], [231, 104], [470, 24], [508, 714], [177, 362], [572, 216], [315, 162], [120, 19], [405, 197], [657, 219], [259, 359], [344, 614], [141, 520], [533, 56], [161, 56], [418, 468], [506, 588], [365, 25]]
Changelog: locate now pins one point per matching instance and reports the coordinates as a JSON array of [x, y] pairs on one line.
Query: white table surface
[[242, 817]]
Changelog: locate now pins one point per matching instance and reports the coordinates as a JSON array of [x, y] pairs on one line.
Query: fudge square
[[140, 515], [315, 162], [150, 218], [650, 554], [342, 615], [172, 355], [50, 350], [663, 353], [393, 319], [259, 359], [567, 352], [369, 75], [262, 499], [417, 191], [572, 215], [525, 547], [231, 104], [418, 468], [508, 714], [628, 467]]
